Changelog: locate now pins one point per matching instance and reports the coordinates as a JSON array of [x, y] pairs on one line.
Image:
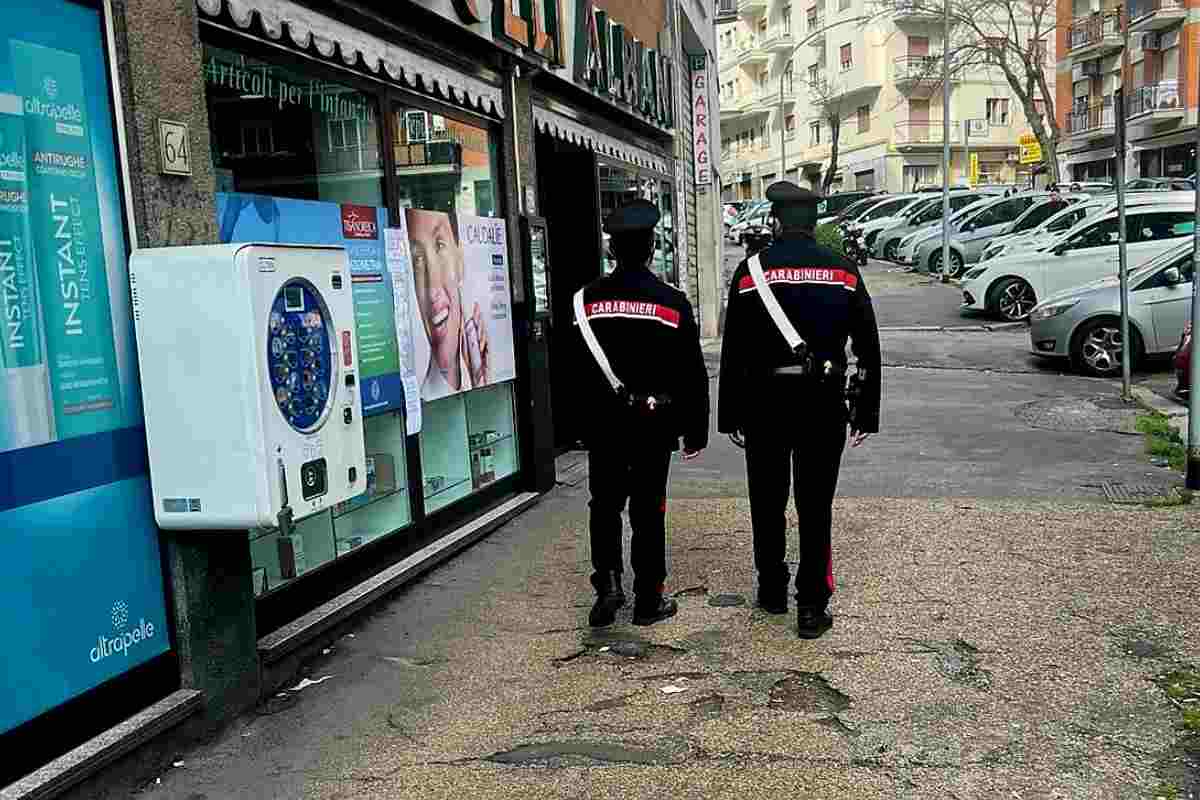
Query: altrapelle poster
[[462, 328]]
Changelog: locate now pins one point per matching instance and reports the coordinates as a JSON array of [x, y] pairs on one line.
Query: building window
[[995, 48], [917, 176], [787, 19], [997, 111], [843, 5], [789, 123], [1038, 51], [814, 74], [864, 119], [847, 57], [814, 132]]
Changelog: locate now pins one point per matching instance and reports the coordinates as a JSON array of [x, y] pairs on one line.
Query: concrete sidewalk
[[982, 649]]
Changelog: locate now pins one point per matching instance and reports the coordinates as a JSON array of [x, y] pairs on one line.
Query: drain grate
[[1133, 493]]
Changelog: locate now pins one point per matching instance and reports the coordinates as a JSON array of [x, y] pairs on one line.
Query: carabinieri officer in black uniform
[[788, 404], [648, 333]]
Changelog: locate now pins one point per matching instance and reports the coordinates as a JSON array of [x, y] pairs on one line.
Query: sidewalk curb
[[1176, 414], [999, 326]]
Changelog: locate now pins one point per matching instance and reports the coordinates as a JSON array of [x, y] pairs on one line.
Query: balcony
[[815, 24], [1152, 104], [1152, 15], [779, 40], [1093, 121], [750, 52], [914, 134], [1095, 36], [751, 8], [917, 11], [917, 75]]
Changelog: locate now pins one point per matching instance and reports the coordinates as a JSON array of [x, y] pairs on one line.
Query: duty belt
[[809, 369]]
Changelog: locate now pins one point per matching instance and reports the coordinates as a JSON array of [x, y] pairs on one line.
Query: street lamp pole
[[946, 142]]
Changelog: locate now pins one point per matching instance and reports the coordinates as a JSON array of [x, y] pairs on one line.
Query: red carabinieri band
[[822, 276], [632, 309]]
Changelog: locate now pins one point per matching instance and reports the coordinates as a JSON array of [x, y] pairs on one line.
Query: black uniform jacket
[[649, 334], [824, 296]]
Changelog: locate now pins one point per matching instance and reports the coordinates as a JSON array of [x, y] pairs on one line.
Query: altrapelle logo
[[126, 638], [358, 222]]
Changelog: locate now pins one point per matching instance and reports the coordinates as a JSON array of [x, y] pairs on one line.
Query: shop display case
[[384, 508], [468, 442]]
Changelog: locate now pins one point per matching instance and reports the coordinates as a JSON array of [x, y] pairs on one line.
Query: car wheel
[[956, 263], [1012, 299], [889, 250], [1096, 348]]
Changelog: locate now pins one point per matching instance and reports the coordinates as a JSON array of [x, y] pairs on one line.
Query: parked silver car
[[1083, 324], [974, 232], [917, 216]]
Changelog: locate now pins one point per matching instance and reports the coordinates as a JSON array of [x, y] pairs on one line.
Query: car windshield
[[888, 209], [858, 207], [1039, 213], [1161, 260]]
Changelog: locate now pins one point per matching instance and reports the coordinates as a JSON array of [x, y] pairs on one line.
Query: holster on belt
[[648, 406]]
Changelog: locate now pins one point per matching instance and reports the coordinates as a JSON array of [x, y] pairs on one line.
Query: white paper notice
[[399, 263]]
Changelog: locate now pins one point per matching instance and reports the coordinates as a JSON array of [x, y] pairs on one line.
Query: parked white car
[[1064, 220], [1010, 286]]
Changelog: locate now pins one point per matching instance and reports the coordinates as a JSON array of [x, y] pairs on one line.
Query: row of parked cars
[[1051, 258]]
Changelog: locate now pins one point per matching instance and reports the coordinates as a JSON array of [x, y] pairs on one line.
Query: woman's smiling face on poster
[[437, 272]]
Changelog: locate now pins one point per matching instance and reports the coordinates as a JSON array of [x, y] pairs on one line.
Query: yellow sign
[[1030, 149], [974, 179]]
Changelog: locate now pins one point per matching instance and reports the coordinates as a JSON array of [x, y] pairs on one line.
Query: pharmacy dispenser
[[249, 370]]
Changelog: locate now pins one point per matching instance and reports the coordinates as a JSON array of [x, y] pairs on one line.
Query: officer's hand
[[688, 455], [857, 438]]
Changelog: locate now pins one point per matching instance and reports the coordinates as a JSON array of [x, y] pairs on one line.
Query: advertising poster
[[81, 586], [260, 218], [399, 264], [462, 331]]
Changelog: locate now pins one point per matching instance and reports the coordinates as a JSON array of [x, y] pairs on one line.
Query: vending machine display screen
[[300, 355]]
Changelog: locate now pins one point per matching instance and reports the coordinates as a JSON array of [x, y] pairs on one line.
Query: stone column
[[160, 72]]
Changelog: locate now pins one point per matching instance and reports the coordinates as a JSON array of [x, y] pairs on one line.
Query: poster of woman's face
[[460, 289]]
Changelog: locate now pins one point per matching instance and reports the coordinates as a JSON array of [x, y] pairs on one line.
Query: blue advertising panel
[[81, 587], [261, 218]]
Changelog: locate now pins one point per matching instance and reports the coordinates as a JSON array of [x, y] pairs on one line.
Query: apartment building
[[1160, 107], [787, 66]]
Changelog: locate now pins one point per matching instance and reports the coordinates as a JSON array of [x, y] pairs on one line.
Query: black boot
[[771, 600], [652, 609], [811, 622], [609, 599]]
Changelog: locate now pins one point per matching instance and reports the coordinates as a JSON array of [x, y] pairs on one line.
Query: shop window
[[444, 164], [299, 159], [283, 133]]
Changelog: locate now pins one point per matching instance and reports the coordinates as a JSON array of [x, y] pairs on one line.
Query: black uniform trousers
[[805, 450], [639, 476]]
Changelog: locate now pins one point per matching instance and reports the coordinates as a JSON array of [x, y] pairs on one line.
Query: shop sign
[[700, 123], [1030, 149], [618, 66]]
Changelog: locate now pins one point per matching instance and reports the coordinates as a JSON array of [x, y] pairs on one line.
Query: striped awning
[[310, 29]]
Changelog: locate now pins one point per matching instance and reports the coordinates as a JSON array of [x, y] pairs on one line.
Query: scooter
[[853, 246]]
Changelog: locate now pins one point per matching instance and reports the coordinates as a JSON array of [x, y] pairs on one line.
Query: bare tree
[[827, 97], [1011, 36]]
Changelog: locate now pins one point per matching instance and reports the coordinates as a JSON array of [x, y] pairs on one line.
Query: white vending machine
[[249, 370]]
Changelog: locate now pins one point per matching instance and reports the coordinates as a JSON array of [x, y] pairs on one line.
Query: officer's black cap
[[792, 205], [636, 216]]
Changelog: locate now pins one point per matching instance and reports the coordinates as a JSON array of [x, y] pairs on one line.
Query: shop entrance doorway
[[569, 200]]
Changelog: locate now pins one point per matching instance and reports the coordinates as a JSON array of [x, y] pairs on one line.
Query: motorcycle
[[853, 245]]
